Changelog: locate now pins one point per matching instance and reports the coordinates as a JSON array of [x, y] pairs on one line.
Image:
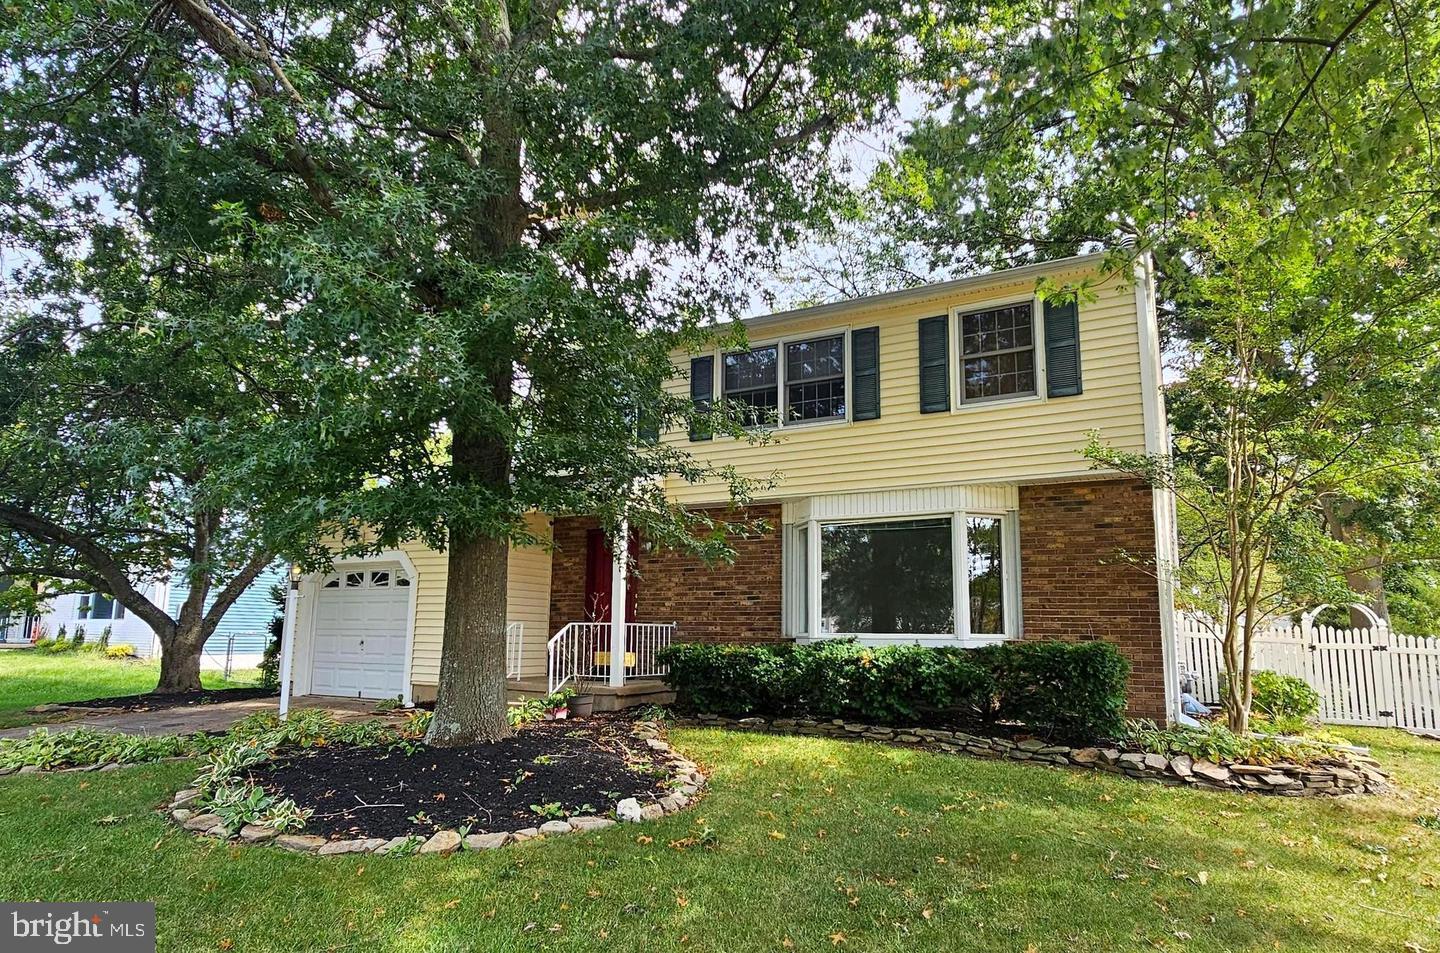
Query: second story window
[[997, 351], [751, 379], [815, 379]]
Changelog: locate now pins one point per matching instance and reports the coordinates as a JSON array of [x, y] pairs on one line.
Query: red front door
[[600, 574]]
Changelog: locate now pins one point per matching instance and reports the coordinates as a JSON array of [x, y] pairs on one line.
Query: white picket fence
[[1364, 676]]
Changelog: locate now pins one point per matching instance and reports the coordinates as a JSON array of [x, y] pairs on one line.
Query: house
[[239, 639], [932, 490]]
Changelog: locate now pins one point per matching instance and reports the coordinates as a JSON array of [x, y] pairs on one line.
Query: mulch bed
[[156, 701], [374, 792]]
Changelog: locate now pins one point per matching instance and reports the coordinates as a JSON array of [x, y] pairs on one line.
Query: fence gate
[[1364, 676]]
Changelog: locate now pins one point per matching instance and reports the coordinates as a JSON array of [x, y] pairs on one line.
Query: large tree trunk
[[470, 699], [180, 659]]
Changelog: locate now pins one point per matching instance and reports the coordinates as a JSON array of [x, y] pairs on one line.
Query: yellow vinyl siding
[[528, 596], [1021, 440]]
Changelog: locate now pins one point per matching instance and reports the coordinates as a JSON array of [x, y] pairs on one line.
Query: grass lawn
[[816, 845], [29, 678]]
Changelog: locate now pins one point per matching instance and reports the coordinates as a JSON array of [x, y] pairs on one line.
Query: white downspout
[[287, 642], [618, 594]]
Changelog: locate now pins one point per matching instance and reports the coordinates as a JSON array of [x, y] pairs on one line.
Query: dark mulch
[[156, 701], [375, 792]]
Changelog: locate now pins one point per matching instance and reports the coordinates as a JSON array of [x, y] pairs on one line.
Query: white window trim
[[958, 404], [781, 397], [960, 580]]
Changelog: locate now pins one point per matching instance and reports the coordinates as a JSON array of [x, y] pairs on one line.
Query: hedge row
[[1072, 692]]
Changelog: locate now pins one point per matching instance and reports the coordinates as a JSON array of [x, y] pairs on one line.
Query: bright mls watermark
[[109, 927]]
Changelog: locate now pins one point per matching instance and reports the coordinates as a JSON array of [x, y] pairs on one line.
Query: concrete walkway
[[193, 718]]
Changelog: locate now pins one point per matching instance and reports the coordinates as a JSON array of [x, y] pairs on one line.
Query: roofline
[[890, 299]]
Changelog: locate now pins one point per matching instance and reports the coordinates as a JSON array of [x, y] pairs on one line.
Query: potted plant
[[557, 705]]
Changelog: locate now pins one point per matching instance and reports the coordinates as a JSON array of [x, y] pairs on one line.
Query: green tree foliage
[[1278, 162], [480, 227], [1312, 377]]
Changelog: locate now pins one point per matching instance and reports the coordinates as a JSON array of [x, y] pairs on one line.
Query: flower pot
[[582, 705]]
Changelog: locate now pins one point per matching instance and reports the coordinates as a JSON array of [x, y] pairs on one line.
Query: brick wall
[[726, 602], [1076, 585]]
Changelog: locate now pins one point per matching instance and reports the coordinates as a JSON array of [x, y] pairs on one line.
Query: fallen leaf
[[927, 913], [837, 938], [452, 904], [777, 835]]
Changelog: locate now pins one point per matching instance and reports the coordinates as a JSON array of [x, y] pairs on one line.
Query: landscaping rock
[[185, 798], [1183, 766], [362, 845], [555, 827], [442, 843], [629, 810], [202, 822], [1156, 762], [591, 823], [300, 843], [1210, 771], [487, 841], [526, 833], [395, 843], [29, 769], [181, 815], [1086, 756], [652, 812], [257, 833]]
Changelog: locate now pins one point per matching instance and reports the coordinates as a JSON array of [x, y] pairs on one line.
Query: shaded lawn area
[[827, 844], [29, 678]]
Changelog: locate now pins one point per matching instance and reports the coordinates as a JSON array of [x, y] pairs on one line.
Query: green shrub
[[103, 645], [269, 667], [79, 641], [1277, 696], [1073, 692]]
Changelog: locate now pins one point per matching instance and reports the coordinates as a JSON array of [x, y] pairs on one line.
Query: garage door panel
[[359, 641]]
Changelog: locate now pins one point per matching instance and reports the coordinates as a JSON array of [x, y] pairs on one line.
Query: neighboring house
[[248, 620], [932, 490]]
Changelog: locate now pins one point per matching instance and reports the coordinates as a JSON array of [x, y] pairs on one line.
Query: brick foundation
[[726, 602], [1076, 584]]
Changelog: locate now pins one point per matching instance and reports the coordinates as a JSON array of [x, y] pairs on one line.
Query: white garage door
[[360, 623]]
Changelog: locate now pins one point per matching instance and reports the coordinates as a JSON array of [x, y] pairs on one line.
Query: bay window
[[927, 578]]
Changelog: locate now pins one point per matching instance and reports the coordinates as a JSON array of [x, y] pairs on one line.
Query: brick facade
[[726, 602], [1077, 585], [1075, 582]]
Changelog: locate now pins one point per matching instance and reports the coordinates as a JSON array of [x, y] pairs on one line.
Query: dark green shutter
[[865, 373], [1062, 349], [702, 393], [935, 364]]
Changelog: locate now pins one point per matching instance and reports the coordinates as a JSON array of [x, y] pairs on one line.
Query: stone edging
[[686, 782], [1344, 772]]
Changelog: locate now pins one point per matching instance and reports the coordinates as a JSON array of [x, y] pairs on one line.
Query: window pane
[[815, 379], [821, 400], [750, 379], [102, 607], [750, 369], [380, 579], [890, 578], [809, 360], [354, 580], [987, 603]]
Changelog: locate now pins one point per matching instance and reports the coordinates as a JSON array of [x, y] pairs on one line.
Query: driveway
[[193, 718]]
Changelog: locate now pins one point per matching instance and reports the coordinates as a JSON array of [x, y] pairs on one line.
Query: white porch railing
[[514, 647], [581, 652]]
